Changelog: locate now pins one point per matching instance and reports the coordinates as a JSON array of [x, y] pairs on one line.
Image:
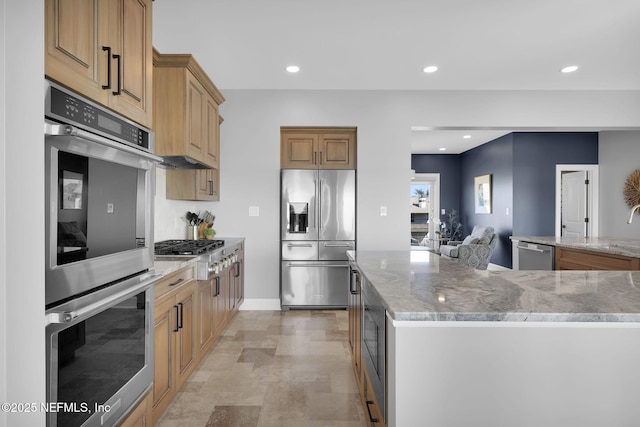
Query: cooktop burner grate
[[186, 247]]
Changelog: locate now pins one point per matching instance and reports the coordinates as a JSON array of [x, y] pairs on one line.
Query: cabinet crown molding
[[186, 60]]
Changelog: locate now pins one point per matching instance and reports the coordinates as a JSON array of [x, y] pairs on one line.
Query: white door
[[574, 204]]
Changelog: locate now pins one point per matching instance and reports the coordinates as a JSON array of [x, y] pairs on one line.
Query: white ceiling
[[384, 44]]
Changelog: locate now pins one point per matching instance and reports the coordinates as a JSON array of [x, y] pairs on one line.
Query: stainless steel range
[[213, 255]]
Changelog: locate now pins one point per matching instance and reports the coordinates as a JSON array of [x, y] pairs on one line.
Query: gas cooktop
[[186, 247]]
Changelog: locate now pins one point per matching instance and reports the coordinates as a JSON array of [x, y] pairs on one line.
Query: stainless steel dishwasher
[[533, 256]]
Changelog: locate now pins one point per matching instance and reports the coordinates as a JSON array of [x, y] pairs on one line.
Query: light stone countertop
[[420, 285], [607, 245]]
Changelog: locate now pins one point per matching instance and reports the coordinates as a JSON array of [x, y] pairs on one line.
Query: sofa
[[475, 250]]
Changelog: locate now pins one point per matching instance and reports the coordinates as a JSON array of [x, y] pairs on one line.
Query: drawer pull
[[373, 420], [175, 283]]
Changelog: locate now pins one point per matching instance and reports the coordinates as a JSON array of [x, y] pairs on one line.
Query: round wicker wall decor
[[632, 188]]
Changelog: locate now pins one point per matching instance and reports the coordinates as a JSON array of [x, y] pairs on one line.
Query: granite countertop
[[608, 245], [420, 285]]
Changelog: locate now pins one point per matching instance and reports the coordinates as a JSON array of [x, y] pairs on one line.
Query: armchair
[[475, 250]]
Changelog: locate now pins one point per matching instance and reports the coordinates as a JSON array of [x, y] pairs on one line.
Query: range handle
[[315, 264]]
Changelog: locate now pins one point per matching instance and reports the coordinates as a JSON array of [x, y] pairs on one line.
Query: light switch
[[507, 212], [442, 212], [254, 210], [383, 211]]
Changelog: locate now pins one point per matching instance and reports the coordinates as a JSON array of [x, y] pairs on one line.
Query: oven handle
[[58, 130], [70, 316]]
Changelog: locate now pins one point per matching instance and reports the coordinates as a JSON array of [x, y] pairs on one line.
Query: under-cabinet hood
[[182, 162]]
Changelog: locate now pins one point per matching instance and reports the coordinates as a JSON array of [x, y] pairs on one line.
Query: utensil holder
[[192, 232]]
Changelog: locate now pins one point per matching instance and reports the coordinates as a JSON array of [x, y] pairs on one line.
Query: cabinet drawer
[[170, 282], [575, 259]]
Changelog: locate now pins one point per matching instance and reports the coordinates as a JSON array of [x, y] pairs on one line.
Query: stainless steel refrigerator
[[317, 228]]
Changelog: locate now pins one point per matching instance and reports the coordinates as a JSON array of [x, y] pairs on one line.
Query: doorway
[[577, 201], [424, 197]]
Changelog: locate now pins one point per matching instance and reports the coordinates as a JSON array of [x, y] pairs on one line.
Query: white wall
[[3, 222], [22, 349], [618, 156], [251, 145]]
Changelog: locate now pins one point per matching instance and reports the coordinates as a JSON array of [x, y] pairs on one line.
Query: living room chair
[[475, 250]]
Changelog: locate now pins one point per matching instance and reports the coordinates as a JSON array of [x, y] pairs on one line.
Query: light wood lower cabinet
[[355, 321], [175, 333], [576, 259], [140, 416], [190, 315], [372, 410]]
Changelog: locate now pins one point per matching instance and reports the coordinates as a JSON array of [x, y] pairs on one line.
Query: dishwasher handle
[[542, 251]]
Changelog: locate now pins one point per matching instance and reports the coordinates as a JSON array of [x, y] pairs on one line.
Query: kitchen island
[[505, 348]]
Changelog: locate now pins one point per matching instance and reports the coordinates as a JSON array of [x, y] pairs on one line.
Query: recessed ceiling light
[[442, 149], [292, 68], [467, 136], [569, 69], [430, 69]]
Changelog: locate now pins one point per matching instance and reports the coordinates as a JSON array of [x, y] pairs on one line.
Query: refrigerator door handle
[[317, 209], [337, 245], [299, 245]]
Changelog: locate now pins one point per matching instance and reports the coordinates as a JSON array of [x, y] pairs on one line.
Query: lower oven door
[[100, 354]]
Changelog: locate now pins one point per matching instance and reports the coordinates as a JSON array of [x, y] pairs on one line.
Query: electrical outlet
[[383, 211], [254, 210], [442, 212], [109, 207], [507, 212]]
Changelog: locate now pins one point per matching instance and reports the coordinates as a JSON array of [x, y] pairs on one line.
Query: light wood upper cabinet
[[186, 110], [102, 49], [317, 148], [193, 184]]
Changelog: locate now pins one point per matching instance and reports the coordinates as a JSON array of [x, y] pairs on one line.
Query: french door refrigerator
[[317, 228]]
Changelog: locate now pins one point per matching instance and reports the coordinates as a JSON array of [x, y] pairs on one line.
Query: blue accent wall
[[522, 167], [534, 165], [494, 158]]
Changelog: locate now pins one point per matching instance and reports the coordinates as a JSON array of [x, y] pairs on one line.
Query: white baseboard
[[260, 304]]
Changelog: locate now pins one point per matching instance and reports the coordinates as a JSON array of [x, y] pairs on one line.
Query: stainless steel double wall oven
[[99, 260]]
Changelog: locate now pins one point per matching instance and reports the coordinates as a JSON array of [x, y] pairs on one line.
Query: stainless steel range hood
[[182, 162]]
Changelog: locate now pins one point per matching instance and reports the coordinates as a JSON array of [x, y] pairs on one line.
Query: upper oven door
[[99, 198]]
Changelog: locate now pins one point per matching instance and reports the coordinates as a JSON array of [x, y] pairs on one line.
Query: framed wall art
[[482, 193]]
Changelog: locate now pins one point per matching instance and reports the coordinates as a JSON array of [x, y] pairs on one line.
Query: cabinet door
[[206, 326], [132, 71], [337, 151], [212, 132], [74, 55], [139, 416], [239, 280], [164, 382], [196, 101], [299, 151], [223, 301], [186, 337], [208, 184]]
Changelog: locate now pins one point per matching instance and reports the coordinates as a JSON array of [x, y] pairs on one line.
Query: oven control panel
[[72, 109]]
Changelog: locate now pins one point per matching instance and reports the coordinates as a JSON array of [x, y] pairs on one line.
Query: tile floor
[[273, 369]]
